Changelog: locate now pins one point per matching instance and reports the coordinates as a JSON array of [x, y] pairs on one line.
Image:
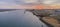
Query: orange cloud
[[30, 7], [47, 7]]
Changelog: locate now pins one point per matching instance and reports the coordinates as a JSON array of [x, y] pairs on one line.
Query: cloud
[[30, 1], [24, 4], [15, 4], [50, 1]]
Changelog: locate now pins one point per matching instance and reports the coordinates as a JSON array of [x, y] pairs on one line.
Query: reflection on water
[[18, 18]]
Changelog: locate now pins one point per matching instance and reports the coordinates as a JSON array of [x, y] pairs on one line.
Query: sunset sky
[[29, 4]]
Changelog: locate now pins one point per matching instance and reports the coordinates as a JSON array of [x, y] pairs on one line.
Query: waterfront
[[18, 18]]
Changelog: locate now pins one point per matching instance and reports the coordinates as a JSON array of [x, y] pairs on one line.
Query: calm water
[[18, 18]]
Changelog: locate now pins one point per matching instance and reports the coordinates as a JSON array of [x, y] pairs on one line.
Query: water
[[18, 18]]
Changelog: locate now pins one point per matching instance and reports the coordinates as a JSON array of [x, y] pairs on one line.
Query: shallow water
[[18, 18]]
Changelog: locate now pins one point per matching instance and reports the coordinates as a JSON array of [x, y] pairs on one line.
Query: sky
[[25, 4]]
